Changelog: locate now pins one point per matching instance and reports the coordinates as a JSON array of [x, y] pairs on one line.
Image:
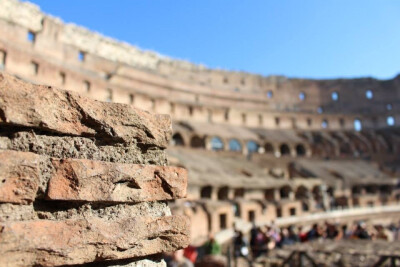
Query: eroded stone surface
[[80, 147], [19, 176], [49, 243], [67, 113], [102, 181]]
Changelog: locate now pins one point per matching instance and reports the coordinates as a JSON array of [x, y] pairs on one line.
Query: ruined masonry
[[83, 181]]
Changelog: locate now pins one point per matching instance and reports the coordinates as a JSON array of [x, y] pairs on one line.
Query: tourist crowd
[[260, 240]]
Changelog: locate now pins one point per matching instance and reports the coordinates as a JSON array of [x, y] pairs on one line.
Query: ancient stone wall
[[84, 181]]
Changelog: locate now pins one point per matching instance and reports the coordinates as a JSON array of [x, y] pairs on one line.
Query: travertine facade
[[257, 148], [78, 184]]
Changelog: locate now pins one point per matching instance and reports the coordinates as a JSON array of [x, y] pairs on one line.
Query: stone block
[[89, 180], [19, 176], [67, 113], [51, 243]]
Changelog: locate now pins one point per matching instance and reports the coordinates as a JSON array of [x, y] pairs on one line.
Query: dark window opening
[[239, 193], [205, 192], [292, 211], [269, 149], [197, 142], [177, 140], [277, 121], [223, 193], [251, 216], [222, 221], [190, 111], [131, 99], [285, 150], [300, 150], [309, 122], [278, 212]]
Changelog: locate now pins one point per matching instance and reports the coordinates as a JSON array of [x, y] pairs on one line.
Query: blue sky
[[295, 38]]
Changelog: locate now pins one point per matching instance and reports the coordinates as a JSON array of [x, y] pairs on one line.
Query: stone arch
[[284, 149], [252, 146], [371, 189], [223, 193], [216, 143], [269, 148], [301, 150], [235, 145], [197, 142], [239, 193], [285, 192], [302, 193], [177, 140], [206, 192]]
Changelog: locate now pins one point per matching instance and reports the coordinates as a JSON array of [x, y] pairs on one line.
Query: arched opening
[[300, 150], [269, 194], [252, 147], [390, 121], [177, 140], [216, 143], [205, 192], [234, 145], [324, 124], [371, 189], [335, 96], [239, 193], [356, 190], [269, 149], [284, 149], [369, 94], [386, 189], [223, 193], [357, 125], [197, 142], [302, 96], [302, 193], [285, 192], [317, 195]]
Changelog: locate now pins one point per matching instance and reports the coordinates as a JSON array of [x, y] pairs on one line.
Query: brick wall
[[83, 181]]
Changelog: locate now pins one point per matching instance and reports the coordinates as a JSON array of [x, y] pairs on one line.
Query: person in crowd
[[240, 245], [314, 233], [302, 234], [361, 232], [178, 260], [191, 253], [211, 247]]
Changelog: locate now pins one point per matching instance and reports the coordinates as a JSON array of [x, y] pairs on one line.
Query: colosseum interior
[[259, 149]]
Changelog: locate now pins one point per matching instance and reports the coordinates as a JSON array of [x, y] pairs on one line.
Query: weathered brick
[[50, 243], [19, 176], [64, 112], [90, 180]]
